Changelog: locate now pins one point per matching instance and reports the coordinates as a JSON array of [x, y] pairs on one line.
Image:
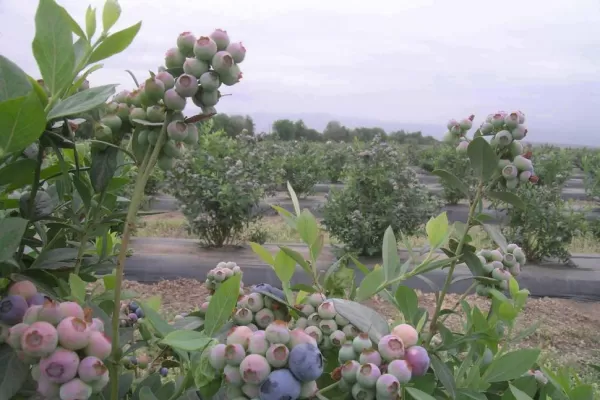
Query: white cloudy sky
[[419, 61]]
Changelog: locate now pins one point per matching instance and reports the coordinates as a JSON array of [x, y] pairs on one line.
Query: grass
[[174, 225]]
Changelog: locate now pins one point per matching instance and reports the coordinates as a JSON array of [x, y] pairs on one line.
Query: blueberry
[[12, 309], [133, 306], [133, 360], [163, 371], [306, 362], [140, 313], [280, 384]]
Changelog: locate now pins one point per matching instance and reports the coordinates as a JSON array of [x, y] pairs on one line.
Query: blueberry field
[[152, 248]]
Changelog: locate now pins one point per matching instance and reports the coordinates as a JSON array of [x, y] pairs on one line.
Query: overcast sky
[[414, 61]]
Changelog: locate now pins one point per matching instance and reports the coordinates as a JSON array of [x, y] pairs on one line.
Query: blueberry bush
[[302, 165]]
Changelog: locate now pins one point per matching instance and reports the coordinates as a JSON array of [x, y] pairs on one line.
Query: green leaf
[[297, 257], [154, 303], [363, 318], [582, 392], [292, 193], [157, 322], [417, 394], [513, 287], [18, 173], [115, 43], [468, 394], [83, 101], [263, 253], [371, 284], [75, 28], [190, 323], [78, 288], [444, 374], [519, 394], [408, 302], [391, 260], [317, 246], [146, 394], [285, 266], [306, 225], [474, 263], [483, 158], [22, 122], [11, 232], [13, 81], [109, 281], [13, 373], [53, 45], [84, 191], [437, 230], [451, 180], [90, 21], [104, 165], [511, 365], [110, 14], [507, 197], [187, 340], [221, 305], [497, 236]]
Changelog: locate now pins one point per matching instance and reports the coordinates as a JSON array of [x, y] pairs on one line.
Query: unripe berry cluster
[[63, 343], [501, 266], [271, 364], [222, 272], [258, 310]]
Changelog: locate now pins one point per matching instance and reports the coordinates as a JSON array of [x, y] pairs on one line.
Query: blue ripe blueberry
[[12, 309], [280, 384], [306, 362], [163, 371], [140, 313], [133, 317]]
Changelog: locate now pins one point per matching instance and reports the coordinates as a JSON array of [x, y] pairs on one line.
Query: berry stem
[[462, 297]]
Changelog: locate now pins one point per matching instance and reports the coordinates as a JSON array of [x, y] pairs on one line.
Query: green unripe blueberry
[[482, 259], [523, 164], [255, 302], [501, 274], [306, 309], [509, 260], [449, 137], [350, 370], [173, 100], [486, 128], [524, 176], [487, 254], [221, 38], [174, 58], [511, 247], [503, 138], [154, 89], [516, 148], [462, 147], [185, 43], [466, 124], [326, 310], [519, 132], [451, 123], [195, 67], [367, 375], [186, 85], [515, 269], [152, 137], [510, 172], [338, 338], [511, 121], [488, 268], [232, 76], [210, 81], [264, 317], [205, 48], [167, 79], [315, 333], [121, 97], [328, 326], [123, 111], [155, 113], [512, 183], [192, 136], [362, 342], [503, 285], [103, 133], [172, 149], [347, 353], [315, 299], [177, 116], [497, 264], [137, 113], [520, 255], [222, 63], [341, 321], [314, 319], [370, 356], [497, 120], [277, 355], [205, 98], [350, 331], [482, 290], [362, 393], [216, 356], [496, 255], [165, 162]]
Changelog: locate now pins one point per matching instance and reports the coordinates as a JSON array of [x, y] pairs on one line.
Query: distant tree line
[[285, 129]]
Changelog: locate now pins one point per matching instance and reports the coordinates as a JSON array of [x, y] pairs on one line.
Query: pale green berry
[[486, 128], [195, 67], [210, 81], [174, 58], [315, 333], [519, 132], [350, 370], [523, 164], [362, 342], [510, 172], [503, 138], [367, 375], [347, 353], [205, 48]]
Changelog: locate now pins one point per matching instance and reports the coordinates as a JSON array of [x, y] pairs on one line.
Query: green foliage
[[233, 125], [302, 165], [553, 165], [335, 157], [447, 158]]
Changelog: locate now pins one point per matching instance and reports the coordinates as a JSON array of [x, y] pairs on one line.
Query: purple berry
[[418, 360], [277, 355], [391, 347], [174, 58], [326, 310], [75, 390], [195, 67], [73, 333], [306, 362], [99, 345], [177, 131], [264, 317], [216, 357], [278, 332], [91, 369], [221, 38], [12, 309], [367, 375], [60, 366], [280, 384], [400, 369], [37, 299], [350, 370], [205, 48], [185, 43], [362, 342], [255, 369], [163, 372], [167, 79], [299, 337], [234, 354], [370, 356], [387, 386], [237, 51], [132, 317], [239, 335], [173, 100], [25, 289], [222, 63], [186, 85], [39, 340], [133, 360]]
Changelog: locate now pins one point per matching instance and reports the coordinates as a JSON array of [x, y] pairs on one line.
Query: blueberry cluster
[[131, 313], [61, 341], [220, 274], [270, 364], [501, 266]]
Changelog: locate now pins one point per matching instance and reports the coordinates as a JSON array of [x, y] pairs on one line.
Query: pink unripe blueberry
[[315, 299], [462, 147], [299, 336], [451, 123], [99, 345], [234, 354], [222, 63], [525, 176], [370, 356], [497, 120], [72, 309], [255, 302], [173, 100], [400, 369], [387, 386], [232, 375], [186, 85], [232, 76], [277, 355], [350, 370], [91, 369], [519, 132], [39, 340], [258, 343], [523, 164], [12, 309], [75, 389], [418, 360], [500, 274], [221, 38], [177, 131], [367, 375], [15, 333], [264, 317], [315, 332], [407, 334], [60, 366], [237, 51], [515, 269], [195, 67], [205, 48], [174, 58], [278, 332], [99, 384], [167, 79], [25, 289], [185, 43], [239, 335], [255, 369], [326, 310], [73, 333], [216, 356], [47, 389], [391, 347]]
